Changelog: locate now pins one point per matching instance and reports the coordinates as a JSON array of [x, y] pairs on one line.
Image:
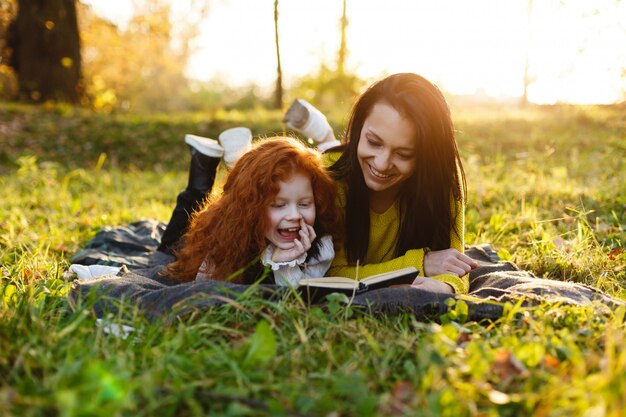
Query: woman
[[402, 186]]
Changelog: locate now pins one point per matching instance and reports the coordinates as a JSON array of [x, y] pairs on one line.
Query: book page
[[388, 275], [325, 281], [322, 283]]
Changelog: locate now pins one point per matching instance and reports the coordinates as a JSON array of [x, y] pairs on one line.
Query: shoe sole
[[297, 115], [308, 120], [205, 146]]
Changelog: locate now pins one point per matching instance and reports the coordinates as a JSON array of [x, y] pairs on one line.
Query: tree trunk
[[278, 94], [343, 50], [46, 47], [527, 80]]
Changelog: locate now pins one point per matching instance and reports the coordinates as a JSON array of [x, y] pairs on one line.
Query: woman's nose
[[383, 161]]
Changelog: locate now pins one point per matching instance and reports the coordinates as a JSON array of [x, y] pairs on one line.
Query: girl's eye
[[277, 205], [305, 204]]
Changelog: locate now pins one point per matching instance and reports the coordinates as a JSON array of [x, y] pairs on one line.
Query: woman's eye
[[405, 156], [373, 143]]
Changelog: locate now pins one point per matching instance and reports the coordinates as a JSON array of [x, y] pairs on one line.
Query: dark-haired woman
[[402, 186]]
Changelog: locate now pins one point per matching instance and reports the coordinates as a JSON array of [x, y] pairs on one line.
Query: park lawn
[[545, 187]]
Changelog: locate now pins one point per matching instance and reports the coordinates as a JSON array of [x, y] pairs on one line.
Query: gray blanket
[[140, 284]]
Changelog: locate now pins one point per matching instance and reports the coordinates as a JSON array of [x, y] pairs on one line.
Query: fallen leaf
[[498, 397], [507, 366], [614, 253], [551, 362], [463, 338], [559, 242], [403, 393]]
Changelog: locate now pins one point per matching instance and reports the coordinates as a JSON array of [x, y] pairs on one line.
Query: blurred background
[[201, 55]]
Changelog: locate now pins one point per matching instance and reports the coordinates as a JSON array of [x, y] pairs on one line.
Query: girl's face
[[386, 151], [294, 201]]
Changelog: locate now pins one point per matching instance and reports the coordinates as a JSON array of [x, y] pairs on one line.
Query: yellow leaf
[[67, 62]]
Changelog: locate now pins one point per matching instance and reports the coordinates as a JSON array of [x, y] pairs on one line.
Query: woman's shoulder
[[331, 156], [342, 193]]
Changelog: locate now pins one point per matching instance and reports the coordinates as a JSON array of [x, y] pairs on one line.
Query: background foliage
[[545, 188], [140, 68]]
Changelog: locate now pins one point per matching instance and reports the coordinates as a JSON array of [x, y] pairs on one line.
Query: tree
[[8, 83], [45, 45], [527, 78], [343, 49], [333, 85], [141, 67], [278, 93]]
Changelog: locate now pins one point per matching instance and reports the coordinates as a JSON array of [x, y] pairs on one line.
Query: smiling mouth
[[289, 233], [377, 174]]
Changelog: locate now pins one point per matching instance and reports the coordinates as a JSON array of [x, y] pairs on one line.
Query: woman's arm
[[413, 257], [341, 268], [451, 261]]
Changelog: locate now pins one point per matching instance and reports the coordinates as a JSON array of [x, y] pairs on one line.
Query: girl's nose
[[294, 213]]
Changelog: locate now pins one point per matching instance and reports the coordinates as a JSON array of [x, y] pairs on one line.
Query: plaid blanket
[[140, 283]]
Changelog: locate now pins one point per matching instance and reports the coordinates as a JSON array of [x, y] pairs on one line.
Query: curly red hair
[[229, 232]]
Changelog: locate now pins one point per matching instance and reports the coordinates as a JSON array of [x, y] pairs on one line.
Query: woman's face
[[294, 202], [386, 151]]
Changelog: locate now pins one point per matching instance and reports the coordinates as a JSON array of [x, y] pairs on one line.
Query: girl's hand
[[300, 246], [429, 284], [447, 261]]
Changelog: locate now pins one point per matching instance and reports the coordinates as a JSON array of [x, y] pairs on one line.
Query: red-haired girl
[[277, 212]]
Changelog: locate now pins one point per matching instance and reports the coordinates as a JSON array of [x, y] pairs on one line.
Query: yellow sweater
[[382, 244]]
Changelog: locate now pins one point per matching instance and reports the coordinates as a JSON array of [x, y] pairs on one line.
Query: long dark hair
[[428, 197]]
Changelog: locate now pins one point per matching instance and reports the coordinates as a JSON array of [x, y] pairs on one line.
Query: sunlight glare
[[576, 49]]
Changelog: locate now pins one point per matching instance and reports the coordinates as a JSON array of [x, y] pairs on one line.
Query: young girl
[[277, 206]]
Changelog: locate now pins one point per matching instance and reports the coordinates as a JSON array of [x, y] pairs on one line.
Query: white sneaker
[[306, 119], [206, 146], [235, 141], [87, 272]]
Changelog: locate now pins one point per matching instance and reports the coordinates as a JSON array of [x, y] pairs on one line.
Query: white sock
[[235, 141]]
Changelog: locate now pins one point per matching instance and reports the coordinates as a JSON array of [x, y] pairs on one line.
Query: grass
[[545, 188]]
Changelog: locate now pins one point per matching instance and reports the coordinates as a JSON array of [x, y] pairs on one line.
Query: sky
[[576, 48]]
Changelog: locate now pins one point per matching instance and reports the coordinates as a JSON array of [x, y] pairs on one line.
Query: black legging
[[186, 203], [202, 171]]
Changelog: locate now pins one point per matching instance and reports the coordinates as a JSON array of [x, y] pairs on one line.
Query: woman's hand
[[429, 284], [447, 261], [300, 246]]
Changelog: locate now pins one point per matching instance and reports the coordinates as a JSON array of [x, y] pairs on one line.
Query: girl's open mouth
[[289, 233]]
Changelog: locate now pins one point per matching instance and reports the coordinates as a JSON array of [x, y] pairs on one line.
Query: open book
[[315, 289]]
